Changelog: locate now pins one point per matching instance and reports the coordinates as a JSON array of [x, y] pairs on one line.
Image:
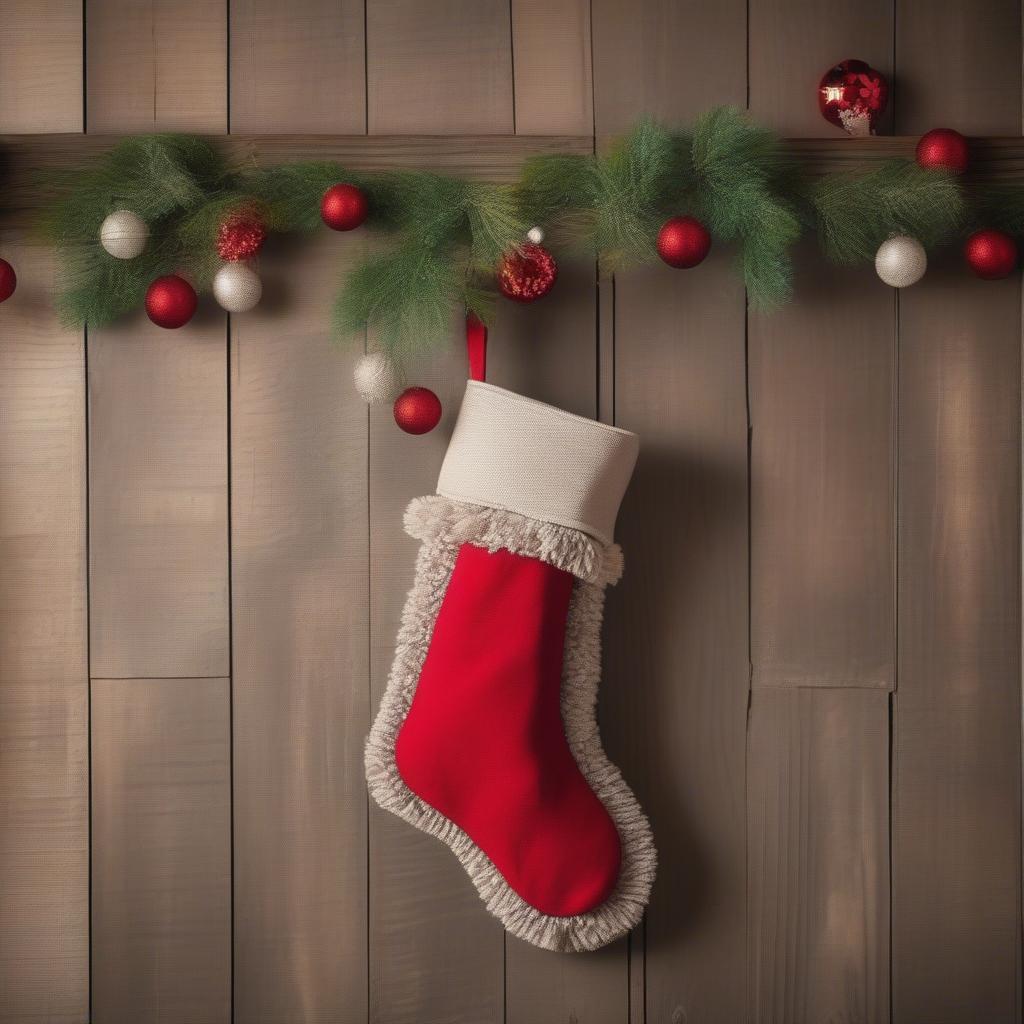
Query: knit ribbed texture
[[514, 453]]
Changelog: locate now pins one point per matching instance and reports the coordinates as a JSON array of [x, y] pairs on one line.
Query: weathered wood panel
[[156, 65], [41, 66], [956, 801], [44, 796], [443, 69], [818, 934], [298, 66], [975, 50], [822, 579], [554, 93], [673, 703], [822, 411], [44, 856], [161, 856], [435, 953], [300, 684], [158, 399], [666, 60], [158, 499], [158, 575], [956, 797], [794, 42], [822, 384]]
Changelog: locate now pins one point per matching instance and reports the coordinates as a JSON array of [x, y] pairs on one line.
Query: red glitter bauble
[[528, 273], [852, 95], [170, 301], [344, 207], [991, 254], [683, 242], [944, 149], [417, 410], [8, 280], [240, 237]]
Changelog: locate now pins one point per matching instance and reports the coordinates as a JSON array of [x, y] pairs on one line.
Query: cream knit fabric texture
[[520, 455]]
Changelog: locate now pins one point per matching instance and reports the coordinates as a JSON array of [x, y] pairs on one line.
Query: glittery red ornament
[[170, 301], [683, 242], [527, 273], [417, 410], [991, 254], [944, 149], [240, 237], [344, 207], [852, 95], [8, 280]]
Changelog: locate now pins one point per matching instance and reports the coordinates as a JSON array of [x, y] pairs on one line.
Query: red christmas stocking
[[486, 737]]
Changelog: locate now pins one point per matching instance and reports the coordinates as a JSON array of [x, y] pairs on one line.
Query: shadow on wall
[[674, 696]]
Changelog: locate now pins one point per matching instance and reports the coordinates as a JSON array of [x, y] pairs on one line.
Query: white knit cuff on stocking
[[514, 453]]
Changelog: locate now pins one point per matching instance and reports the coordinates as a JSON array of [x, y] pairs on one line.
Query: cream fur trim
[[444, 525], [460, 522]]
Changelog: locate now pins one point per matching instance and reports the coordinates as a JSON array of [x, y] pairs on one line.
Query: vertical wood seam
[[229, 469], [371, 710], [88, 667], [893, 699], [748, 973], [231, 644], [512, 61], [87, 572]]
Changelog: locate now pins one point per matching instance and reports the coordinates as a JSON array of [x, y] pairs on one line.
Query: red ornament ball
[[240, 237], [944, 149], [683, 242], [417, 410], [852, 95], [8, 280], [170, 301], [344, 207], [991, 254], [527, 274]]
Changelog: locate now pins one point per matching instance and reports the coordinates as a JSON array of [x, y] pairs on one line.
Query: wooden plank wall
[[812, 665]]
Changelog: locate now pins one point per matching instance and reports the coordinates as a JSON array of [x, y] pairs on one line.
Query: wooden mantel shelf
[[491, 157]]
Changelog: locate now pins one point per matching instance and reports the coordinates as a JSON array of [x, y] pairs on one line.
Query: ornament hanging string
[[476, 346]]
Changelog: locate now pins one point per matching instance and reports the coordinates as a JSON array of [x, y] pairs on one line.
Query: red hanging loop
[[476, 346]]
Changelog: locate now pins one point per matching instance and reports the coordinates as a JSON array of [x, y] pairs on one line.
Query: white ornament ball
[[901, 261], [123, 234], [535, 235], [237, 287], [377, 379]]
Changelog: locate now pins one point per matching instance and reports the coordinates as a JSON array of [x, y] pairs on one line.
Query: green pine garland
[[448, 234]]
